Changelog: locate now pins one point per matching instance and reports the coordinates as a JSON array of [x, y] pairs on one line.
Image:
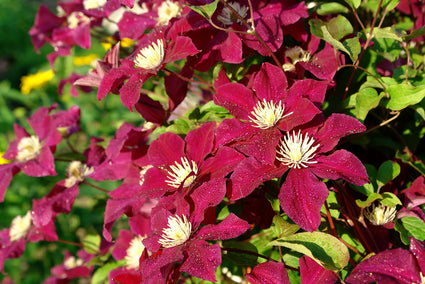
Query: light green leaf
[[325, 249], [387, 172], [353, 46], [206, 10], [415, 226], [370, 199], [386, 33], [354, 3], [331, 8], [101, 274], [403, 95], [335, 43], [283, 228], [339, 27], [390, 199], [92, 243], [390, 4], [416, 33], [366, 100]]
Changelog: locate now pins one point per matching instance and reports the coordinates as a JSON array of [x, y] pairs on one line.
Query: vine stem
[[70, 243], [95, 186], [187, 79], [363, 69]]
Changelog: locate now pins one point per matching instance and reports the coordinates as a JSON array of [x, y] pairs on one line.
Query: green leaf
[[386, 33], [390, 199], [368, 188], [354, 3], [241, 258], [339, 27], [415, 34], [325, 249], [388, 171], [366, 100], [335, 43], [370, 199], [331, 8], [353, 46], [206, 10], [390, 4], [101, 274], [92, 243], [283, 228], [403, 95], [404, 234], [415, 226]]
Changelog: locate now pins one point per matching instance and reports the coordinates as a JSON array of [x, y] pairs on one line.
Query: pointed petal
[[270, 273], [181, 48], [229, 228], [200, 142], [312, 272], [312, 89], [160, 153], [236, 98], [301, 197], [270, 83]]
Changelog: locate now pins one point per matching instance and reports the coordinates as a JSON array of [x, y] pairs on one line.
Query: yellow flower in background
[[3, 161], [85, 60], [35, 81], [125, 42]]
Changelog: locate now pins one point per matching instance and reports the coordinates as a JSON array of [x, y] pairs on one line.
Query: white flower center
[[28, 148], [72, 262], [75, 18], [93, 4], [296, 151], [142, 174], [297, 54], [167, 11], [177, 232], [182, 173], [151, 56], [267, 114], [227, 17], [134, 252], [20, 227], [380, 215], [76, 172]]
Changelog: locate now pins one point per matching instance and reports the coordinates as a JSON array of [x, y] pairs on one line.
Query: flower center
[[296, 151], [134, 252], [380, 215], [93, 4], [182, 173], [72, 262], [20, 227], [151, 56], [227, 17], [296, 54], [167, 11], [28, 148], [142, 174], [75, 18], [177, 232], [267, 114], [76, 172]]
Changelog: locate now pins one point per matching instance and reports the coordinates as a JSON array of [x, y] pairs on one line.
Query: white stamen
[[93, 4], [228, 18], [28, 148], [142, 174], [267, 114], [75, 18], [76, 172], [167, 11], [296, 151], [182, 173], [297, 54], [380, 215], [177, 232], [20, 227], [72, 262], [151, 56], [134, 252]]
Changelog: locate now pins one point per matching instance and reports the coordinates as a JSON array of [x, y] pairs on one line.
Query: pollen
[[297, 151], [267, 114], [76, 172], [134, 252], [227, 17], [28, 148], [177, 232], [167, 11], [93, 4], [151, 56], [20, 227], [182, 173], [380, 215]]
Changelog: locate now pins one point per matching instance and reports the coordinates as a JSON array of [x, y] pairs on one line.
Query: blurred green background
[[101, 119]]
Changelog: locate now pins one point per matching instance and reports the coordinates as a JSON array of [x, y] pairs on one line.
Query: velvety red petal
[[268, 273], [231, 227], [301, 197], [200, 142], [312, 272], [160, 153], [236, 98], [270, 83]]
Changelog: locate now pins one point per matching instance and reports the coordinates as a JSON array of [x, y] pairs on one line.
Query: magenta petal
[[200, 142], [203, 259], [222, 163], [6, 174], [390, 266], [232, 129], [418, 250], [130, 92], [229, 228], [337, 126], [341, 164], [231, 49], [111, 80], [181, 48], [270, 83], [160, 153], [312, 89], [236, 98], [302, 111], [42, 165], [157, 270], [301, 197], [269, 273], [312, 272]]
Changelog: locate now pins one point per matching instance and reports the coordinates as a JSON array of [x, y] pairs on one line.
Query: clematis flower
[[268, 272], [303, 154], [33, 154], [180, 240], [265, 109]]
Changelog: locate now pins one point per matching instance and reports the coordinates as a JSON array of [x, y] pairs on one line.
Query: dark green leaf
[[415, 34], [353, 46], [387, 171], [415, 226]]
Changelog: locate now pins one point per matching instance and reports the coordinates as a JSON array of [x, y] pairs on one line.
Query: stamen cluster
[[296, 151], [177, 232], [151, 56], [184, 173]]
